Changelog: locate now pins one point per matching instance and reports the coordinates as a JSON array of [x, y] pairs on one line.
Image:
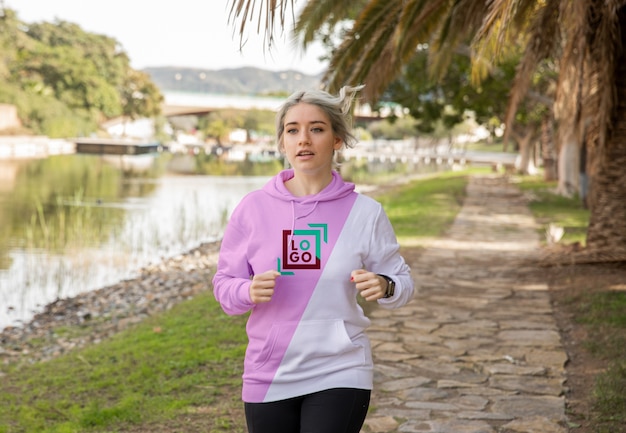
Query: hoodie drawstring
[[294, 218]]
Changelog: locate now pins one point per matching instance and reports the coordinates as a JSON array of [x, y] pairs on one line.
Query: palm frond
[[271, 14], [603, 43], [418, 22], [357, 54], [503, 22], [567, 106], [463, 20], [540, 45], [319, 13]]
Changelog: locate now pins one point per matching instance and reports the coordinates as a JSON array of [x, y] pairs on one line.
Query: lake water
[[72, 223]]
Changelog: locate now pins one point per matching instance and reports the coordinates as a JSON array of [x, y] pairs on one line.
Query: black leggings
[[338, 410]]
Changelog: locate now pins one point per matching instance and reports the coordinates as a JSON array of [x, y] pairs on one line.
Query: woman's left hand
[[370, 285]]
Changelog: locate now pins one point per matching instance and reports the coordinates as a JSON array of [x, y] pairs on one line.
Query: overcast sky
[[192, 33]]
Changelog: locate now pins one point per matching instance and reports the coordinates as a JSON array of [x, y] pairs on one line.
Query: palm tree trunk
[[567, 166], [607, 225], [525, 149], [547, 149]]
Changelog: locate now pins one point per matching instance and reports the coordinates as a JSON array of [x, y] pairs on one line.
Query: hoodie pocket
[[314, 346]]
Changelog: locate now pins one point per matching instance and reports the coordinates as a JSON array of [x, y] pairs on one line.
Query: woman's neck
[[301, 185]]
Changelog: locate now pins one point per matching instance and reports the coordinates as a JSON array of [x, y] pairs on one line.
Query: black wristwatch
[[391, 286]]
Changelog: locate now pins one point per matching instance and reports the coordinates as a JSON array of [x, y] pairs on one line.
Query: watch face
[[391, 286]]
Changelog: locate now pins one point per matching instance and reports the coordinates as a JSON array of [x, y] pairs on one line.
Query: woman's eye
[[292, 131], [317, 129]]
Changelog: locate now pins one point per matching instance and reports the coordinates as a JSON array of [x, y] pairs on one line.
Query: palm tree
[[586, 37]]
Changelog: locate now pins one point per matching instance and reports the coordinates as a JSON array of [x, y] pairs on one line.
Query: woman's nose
[[304, 138]]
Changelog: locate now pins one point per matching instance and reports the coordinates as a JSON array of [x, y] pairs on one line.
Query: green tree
[[140, 96], [65, 81], [81, 69], [219, 124], [259, 121]]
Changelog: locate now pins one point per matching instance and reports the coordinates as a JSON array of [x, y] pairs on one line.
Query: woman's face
[[308, 139]]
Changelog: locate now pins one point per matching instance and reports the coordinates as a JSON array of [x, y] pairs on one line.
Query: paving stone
[[446, 426], [431, 405], [406, 383], [535, 425], [424, 394], [510, 369], [381, 424], [532, 385], [454, 384], [535, 337], [484, 416], [524, 406]]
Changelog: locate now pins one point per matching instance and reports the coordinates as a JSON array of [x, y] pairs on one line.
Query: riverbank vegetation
[[65, 81], [184, 366]]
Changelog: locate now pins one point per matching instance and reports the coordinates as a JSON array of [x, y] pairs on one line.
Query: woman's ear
[[338, 143]]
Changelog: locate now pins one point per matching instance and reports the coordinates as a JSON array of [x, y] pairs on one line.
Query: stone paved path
[[477, 350]]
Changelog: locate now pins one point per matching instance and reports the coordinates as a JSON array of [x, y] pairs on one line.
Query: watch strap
[[391, 286]]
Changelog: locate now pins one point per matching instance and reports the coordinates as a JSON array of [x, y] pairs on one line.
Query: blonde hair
[[337, 108]]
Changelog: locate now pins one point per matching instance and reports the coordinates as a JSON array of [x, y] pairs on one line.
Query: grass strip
[[550, 208], [187, 359]]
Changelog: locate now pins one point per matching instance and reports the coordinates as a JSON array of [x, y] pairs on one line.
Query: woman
[[295, 254]]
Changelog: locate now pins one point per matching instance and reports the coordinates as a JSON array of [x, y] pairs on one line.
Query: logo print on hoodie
[[302, 249]]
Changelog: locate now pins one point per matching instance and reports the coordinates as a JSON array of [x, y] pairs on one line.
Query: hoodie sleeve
[[385, 258], [231, 283]]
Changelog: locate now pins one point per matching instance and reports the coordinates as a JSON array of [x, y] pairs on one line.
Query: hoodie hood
[[302, 207], [336, 189]]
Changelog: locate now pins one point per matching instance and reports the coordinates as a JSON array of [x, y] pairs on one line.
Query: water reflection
[[74, 223]]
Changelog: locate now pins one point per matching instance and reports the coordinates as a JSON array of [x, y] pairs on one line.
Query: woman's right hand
[[262, 286]]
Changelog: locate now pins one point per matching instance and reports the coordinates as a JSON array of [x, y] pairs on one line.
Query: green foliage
[[190, 357], [219, 124], [604, 314], [65, 81], [140, 96], [43, 114], [604, 310], [425, 209], [394, 128], [610, 397], [54, 203], [450, 98]]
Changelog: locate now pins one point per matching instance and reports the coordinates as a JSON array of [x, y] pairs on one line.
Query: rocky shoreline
[[96, 315]]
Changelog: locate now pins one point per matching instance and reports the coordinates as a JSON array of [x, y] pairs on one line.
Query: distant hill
[[241, 81]]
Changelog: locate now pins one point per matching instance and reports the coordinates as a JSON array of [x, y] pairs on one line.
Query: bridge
[[187, 103]]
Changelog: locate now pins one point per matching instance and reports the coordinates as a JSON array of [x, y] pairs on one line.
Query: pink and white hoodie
[[310, 336]]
